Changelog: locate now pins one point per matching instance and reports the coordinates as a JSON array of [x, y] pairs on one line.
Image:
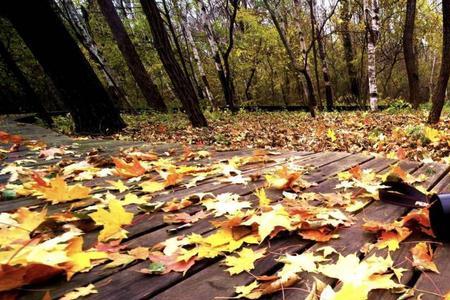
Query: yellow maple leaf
[[19, 225], [263, 200], [331, 135], [248, 291], [80, 292], [117, 185], [152, 186], [134, 199], [360, 277], [244, 261], [80, 261], [293, 264], [59, 191], [268, 221], [112, 221], [432, 134]]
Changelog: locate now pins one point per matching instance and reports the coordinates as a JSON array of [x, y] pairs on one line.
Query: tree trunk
[[314, 48], [198, 61], [410, 55], [182, 86], [126, 47], [298, 70], [82, 92], [79, 26], [444, 74], [325, 73], [431, 82], [226, 55], [33, 101], [372, 24], [217, 56], [175, 39], [348, 50], [323, 58]]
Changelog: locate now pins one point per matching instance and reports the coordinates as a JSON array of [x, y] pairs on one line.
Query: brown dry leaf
[[12, 277], [184, 217], [170, 263]]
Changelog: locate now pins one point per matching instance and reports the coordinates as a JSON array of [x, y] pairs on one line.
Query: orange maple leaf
[[423, 257], [126, 170], [59, 191]]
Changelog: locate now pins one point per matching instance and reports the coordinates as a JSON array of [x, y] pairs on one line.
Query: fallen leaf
[[59, 191], [423, 257], [80, 292], [112, 221], [244, 261], [125, 170]]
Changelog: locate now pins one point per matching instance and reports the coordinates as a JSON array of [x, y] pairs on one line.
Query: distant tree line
[[98, 57]]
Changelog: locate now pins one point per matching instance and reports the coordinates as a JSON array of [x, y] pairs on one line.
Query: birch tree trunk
[[371, 10], [198, 61], [126, 47], [80, 28]]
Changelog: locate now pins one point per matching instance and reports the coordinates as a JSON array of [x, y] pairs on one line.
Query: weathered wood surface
[[207, 278]]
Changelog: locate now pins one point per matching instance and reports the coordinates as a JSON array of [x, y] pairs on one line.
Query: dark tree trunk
[[444, 74], [317, 32], [33, 101], [81, 91], [314, 48], [181, 84], [79, 22], [231, 97], [175, 39], [143, 79], [325, 73], [349, 53], [298, 70], [410, 55]]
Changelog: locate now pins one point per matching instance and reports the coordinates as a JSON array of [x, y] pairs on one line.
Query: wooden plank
[[11, 205], [213, 282], [354, 237], [161, 234], [139, 284], [432, 285]]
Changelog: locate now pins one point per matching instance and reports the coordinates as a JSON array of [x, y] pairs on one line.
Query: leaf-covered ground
[[394, 134]]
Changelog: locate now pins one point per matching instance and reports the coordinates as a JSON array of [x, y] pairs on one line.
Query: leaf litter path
[[207, 277]]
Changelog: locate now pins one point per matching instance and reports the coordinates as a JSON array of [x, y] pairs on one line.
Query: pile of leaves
[[36, 245], [399, 135]]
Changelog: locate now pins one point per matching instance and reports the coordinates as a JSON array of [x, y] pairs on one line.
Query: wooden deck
[[207, 279]]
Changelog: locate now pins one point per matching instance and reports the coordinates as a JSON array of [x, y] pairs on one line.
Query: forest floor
[[395, 134]]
